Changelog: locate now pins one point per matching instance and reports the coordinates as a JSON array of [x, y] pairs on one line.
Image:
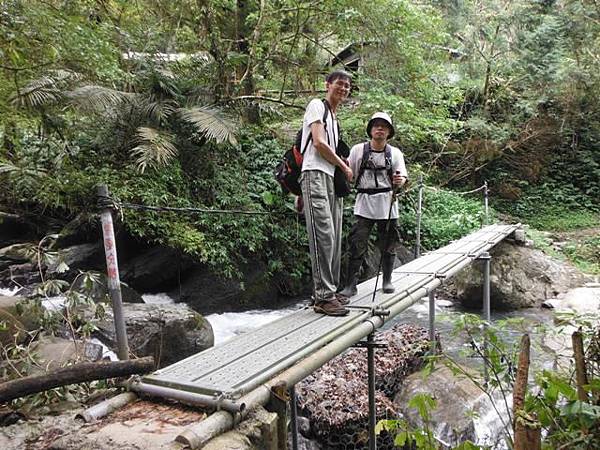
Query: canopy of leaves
[[191, 103]]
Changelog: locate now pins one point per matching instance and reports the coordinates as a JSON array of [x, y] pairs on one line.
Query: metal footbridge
[[229, 376]]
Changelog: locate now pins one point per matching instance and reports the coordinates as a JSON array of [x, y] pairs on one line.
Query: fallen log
[[77, 373]]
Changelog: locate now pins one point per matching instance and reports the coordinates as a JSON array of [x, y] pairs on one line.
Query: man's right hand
[[348, 172]]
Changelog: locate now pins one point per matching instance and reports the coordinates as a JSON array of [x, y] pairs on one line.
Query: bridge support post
[[112, 270], [486, 258], [294, 418], [278, 405], [432, 321], [486, 195], [419, 212], [372, 406]]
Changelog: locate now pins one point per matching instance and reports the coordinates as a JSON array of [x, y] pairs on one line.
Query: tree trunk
[[77, 373], [527, 429], [245, 71], [580, 369]]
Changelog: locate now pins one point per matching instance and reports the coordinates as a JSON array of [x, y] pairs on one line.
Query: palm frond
[[157, 111], [162, 84], [44, 91], [155, 149], [97, 99], [212, 123], [19, 171]]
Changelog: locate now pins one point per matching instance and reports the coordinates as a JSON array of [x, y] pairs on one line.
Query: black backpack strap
[[325, 114], [363, 162], [388, 163]]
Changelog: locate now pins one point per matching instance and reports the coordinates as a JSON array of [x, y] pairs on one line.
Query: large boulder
[[77, 257], [208, 293], [463, 411], [169, 333], [53, 352], [12, 229], [520, 277], [582, 303], [13, 254], [99, 292], [19, 316], [15, 266], [155, 269]]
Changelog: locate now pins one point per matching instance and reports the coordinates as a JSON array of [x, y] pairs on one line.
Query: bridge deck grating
[[248, 360]]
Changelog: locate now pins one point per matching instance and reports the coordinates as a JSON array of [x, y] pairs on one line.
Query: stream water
[[229, 324]]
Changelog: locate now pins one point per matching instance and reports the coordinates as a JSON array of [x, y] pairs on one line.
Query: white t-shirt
[[312, 158], [375, 206]]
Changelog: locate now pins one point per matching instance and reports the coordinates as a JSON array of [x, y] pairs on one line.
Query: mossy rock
[[17, 316]]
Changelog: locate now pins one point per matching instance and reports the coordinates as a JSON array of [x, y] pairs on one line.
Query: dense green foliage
[[566, 412], [190, 104]]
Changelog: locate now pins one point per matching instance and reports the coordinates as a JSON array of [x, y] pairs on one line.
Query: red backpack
[[288, 170]]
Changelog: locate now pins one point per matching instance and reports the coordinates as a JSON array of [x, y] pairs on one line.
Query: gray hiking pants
[[323, 213]]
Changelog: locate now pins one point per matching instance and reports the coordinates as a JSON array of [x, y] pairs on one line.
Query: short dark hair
[[337, 75]]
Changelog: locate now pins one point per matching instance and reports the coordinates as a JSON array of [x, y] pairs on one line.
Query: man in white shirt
[[380, 170], [322, 209]]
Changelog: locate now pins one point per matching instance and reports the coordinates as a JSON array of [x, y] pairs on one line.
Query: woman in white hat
[[379, 169]]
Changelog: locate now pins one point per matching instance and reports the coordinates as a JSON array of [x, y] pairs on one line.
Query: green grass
[[559, 219], [585, 254]]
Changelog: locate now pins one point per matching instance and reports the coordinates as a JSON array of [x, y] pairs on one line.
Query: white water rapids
[[229, 324]]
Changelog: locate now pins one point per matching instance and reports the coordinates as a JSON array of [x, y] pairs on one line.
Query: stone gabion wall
[[335, 398]]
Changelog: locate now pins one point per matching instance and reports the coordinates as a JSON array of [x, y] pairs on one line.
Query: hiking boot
[[342, 298], [331, 307], [388, 267]]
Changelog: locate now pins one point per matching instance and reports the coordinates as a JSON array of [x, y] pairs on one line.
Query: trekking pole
[[386, 239], [419, 213]]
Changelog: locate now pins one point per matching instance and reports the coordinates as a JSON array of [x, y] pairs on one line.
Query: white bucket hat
[[382, 116]]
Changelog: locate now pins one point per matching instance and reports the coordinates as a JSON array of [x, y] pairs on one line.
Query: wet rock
[[169, 333], [581, 300], [207, 293], [520, 277], [463, 412], [54, 352], [99, 292], [82, 257], [23, 274], [304, 443], [19, 316], [157, 268]]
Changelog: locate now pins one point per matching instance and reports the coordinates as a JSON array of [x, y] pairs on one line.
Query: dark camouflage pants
[[387, 237]]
